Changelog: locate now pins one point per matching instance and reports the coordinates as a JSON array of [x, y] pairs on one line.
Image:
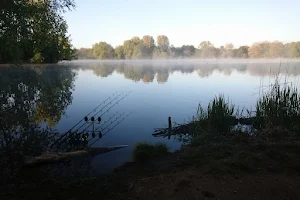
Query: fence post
[[170, 127]]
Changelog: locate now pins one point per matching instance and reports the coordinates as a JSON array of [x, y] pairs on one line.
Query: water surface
[[60, 95]]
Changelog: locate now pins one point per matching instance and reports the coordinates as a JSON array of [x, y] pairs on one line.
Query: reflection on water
[[28, 97], [148, 71], [34, 98]]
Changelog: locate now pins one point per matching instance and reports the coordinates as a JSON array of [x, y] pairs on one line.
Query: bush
[[144, 151]]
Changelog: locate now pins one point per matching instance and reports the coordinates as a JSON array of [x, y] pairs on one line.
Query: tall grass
[[280, 106], [219, 115]]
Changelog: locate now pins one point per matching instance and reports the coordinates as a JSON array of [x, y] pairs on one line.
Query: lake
[[60, 95]]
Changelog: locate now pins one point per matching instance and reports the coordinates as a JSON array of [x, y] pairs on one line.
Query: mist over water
[[159, 89]]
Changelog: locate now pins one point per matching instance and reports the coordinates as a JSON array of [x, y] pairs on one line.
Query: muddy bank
[[245, 170]]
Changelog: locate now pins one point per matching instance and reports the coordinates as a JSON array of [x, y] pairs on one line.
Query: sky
[[185, 22]]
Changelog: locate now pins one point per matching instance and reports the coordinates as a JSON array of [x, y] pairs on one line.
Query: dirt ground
[[267, 172], [174, 183]]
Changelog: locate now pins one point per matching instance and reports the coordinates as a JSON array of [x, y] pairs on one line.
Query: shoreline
[[174, 176], [188, 60]]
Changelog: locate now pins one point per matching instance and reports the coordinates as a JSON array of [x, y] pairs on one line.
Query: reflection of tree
[[35, 93], [227, 71], [206, 70], [28, 96], [55, 94], [134, 73], [162, 75], [146, 71], [271, 69], [103, 70], [148, 77]]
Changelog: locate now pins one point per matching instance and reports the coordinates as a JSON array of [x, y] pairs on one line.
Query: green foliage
[[241, 52], [144, 151], [37, 58], [28, 27], [119, 51], [145, 48], [292, 50], [103, 51], [160, 54], [279, 107], [128, 47], [207, 50], [35, 95], [219, 116], [187, 50], [140, 51], [163, 43]]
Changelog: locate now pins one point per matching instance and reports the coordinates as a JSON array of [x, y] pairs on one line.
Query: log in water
[[186, 128], [54, 157]]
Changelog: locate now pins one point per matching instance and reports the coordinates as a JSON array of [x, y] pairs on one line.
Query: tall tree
[[275, 49], [34, 31], [119, 51], [175, 52], [229, 50], [128, 47], [141, 51], [149, 44], [292, 50], [163, 42], [207, 49], [103, 51], [241, 52], [187, 50]]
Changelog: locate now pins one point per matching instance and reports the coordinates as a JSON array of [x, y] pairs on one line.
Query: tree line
[[34, 31], [147, 48]]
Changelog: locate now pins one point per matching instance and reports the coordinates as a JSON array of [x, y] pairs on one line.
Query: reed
[[219, 115], [280, 106]]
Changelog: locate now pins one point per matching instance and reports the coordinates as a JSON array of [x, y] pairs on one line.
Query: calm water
[[159, 89]]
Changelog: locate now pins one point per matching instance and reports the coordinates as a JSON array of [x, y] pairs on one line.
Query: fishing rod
[[108, 108], [100, 132], [111, 128], [112, 105], [77, 135], [83, 118], [102, 124], [99, 112], [112, 121]]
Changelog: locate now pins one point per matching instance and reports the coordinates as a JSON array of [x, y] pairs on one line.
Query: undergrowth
[[144, 151]]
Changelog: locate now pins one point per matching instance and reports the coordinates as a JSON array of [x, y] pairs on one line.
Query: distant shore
[[188, 60]]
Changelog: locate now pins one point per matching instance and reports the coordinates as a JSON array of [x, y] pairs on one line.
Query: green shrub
[[144, 151]]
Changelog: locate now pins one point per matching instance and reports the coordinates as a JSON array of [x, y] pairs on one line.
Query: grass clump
[[144, 151], [280, 106], [219, 115]]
